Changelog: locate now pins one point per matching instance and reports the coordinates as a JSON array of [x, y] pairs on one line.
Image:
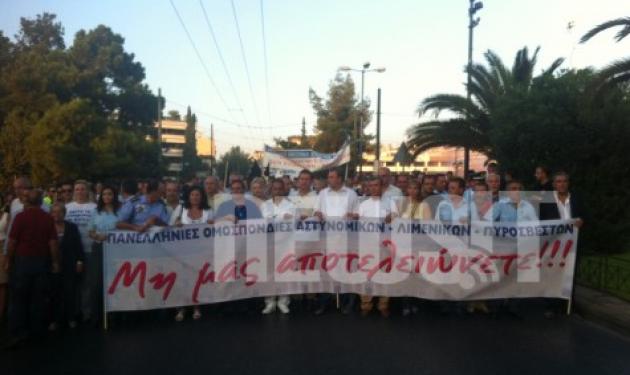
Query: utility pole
[[212, 151], [159, 117], [474, 7], [378, 127]]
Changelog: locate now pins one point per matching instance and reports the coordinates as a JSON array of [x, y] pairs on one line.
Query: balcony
[[175, 167], [172, 152], [172, 138]]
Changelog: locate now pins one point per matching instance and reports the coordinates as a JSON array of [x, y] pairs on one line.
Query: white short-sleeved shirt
[[81, 215], [271, 210], [447, 211], [181, 212], [337, 203], [377, 208]]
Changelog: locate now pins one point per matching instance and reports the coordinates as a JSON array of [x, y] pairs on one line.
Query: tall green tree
[[339, 118], [618, 71], [234, 161], [470, 121], [190, 160], [65, 110], [556, 124], [60, 144]]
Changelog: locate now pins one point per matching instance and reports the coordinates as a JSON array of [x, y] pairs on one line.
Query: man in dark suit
[[560, 204]]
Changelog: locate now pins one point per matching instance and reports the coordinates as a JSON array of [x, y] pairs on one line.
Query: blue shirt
[[137, 211], [103, 222], [248, 211], [507, 212]]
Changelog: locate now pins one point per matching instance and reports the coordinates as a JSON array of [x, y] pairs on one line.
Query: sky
[[421, 43]]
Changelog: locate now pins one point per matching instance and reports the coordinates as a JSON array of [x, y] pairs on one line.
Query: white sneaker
[[283, 308], [269, 308], [180, 316]]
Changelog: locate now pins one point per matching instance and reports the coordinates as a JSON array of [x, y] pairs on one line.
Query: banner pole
[[338, 301]]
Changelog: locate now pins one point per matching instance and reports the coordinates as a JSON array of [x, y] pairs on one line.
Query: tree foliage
[[471, 122], [59, 106], [618, 71], [339, 117], [234, 161]]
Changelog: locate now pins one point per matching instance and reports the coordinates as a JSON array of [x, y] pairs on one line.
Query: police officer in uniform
[[141, 213]]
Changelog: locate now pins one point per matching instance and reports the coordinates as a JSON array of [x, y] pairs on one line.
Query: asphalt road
[[427, 343]]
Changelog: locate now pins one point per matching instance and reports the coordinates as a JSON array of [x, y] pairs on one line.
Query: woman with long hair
[[415, 208], [103, 221], [195, 210]]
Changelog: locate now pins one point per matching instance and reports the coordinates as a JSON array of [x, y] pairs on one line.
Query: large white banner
[[213, 263], [291, 162]]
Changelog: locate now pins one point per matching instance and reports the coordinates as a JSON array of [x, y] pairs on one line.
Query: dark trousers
[[92, 285], [29, 285], [65, 296]]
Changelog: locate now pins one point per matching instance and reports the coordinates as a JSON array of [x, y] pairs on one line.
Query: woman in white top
[[195, 210], [278, 208]]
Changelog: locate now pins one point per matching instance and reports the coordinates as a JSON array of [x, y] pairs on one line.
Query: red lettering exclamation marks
[[565, 253], [543, 249], [554, 252]]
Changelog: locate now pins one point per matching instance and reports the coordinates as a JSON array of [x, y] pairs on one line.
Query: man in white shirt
[[304, 197], [376, 207], [171, 197], [336, 201], [389, 190], [277, 208]]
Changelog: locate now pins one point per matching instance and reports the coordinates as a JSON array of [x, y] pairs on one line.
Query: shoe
[[347, 310], [406, 312], [365, 313], [269, 308], [72, 324], [283, 308], [196, 314], [550, 314], [180, 316], [52, 327], [385, 313]]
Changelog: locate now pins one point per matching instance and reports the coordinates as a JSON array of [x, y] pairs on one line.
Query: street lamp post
[[364, 69], [473, 8]]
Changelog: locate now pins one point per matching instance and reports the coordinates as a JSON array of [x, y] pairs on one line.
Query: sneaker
[[196, 314], [283, 308], [180, 316], [269, 308]]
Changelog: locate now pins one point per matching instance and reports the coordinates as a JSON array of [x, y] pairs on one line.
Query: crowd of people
[[51, 270]]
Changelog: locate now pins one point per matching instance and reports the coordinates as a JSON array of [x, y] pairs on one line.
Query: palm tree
[[471, 125], [618, 71]]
